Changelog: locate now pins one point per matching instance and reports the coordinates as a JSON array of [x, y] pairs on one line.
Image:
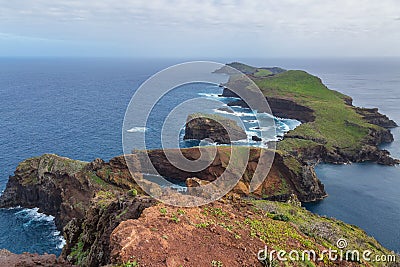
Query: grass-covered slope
[[336, 124], [340, 131]]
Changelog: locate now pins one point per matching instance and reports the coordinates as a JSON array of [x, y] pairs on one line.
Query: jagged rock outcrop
[[373, 116], [88, 238], [62, 187], [217, 128], [51, 184]]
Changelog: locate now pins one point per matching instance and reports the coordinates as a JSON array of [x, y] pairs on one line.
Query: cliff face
[[50, 183], [365, 128], [373, 116], [89, 200], [63, 187], [218, 128], [287, 176], [88, 238], [282, 108]]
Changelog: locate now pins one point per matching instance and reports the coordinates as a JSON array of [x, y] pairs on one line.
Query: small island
[[219, 129]]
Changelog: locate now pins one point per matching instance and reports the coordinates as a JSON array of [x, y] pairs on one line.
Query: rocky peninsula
[[332, 129], [107, 219]]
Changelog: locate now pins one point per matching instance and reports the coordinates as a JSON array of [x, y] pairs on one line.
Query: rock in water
[[201, 126]]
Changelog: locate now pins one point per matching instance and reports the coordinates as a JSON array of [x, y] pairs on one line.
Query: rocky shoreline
[[370, 151], [108, 220]]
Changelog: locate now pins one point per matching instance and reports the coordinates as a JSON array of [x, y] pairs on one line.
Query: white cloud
[[307, 22]]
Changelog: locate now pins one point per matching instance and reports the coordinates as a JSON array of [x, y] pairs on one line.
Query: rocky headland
[[332, 129], [108, 220]]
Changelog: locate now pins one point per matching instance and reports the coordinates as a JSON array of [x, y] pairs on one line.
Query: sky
[[200, 29]]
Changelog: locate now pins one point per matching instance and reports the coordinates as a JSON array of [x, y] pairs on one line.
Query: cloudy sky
[[185, 28]]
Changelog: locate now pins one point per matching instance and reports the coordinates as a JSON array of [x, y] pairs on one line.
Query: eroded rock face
[[287, 175], [195, 182], [280, 107], [62, 187], [88, 239], [217, 128], [52, 184], [373, 116]]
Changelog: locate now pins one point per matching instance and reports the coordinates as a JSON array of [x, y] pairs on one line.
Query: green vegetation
[[336, 124], [163, 211], [122, 213], [216, 212], [133, 263], [202, 225], [262, 73], [243, 67], [315, 229], [104, 198], [78, 253], [181, 212], [97, 180], [133, 192], [280, 217], [48, 163], [216, 263], [175, 218]]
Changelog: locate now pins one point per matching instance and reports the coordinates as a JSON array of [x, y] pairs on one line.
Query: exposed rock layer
[[283, 108], [217, 128], [88, 238]]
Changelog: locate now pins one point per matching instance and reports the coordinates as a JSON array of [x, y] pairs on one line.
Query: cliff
[[63, 187], [107, 220], [217, 128], [120, 225], [332, 129], [287, 176], [89, 200]]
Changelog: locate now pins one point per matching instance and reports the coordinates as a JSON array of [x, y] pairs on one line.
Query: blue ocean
[[75, 108]]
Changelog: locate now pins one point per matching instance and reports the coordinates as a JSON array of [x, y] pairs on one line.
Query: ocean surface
[[75, 108]]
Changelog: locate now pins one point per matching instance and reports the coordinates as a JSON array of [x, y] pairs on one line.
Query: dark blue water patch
[[163, 108], [70, 107], [363, 195], [26, 230]]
